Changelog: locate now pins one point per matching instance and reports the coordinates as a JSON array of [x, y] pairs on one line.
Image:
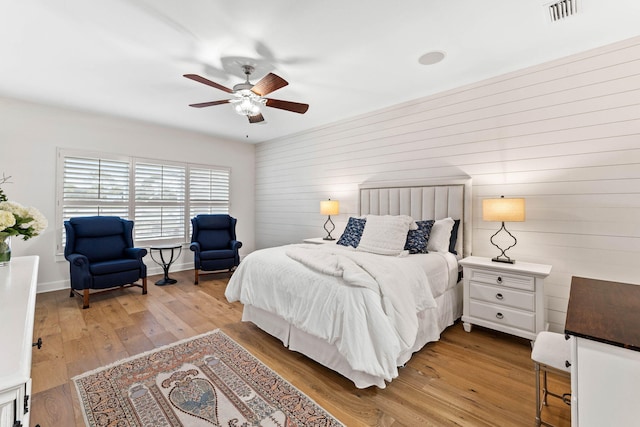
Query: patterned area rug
[[203, 381]]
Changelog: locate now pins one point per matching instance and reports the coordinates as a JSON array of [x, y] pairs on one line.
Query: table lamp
[[503, 210], [329, 207]]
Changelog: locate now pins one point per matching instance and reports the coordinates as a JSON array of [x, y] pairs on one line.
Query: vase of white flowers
[[17, 220]]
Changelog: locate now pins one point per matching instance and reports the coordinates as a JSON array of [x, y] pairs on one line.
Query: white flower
[[6, 219], [17, 220], [39, 222], [14, 207]]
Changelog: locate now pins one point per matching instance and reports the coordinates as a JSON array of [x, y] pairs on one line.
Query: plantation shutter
[[208, 191], [93, 186], [159, 201]]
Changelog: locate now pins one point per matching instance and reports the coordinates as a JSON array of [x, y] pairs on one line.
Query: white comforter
[[365, 304]]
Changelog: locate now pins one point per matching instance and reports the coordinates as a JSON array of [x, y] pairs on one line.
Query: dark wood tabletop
[[604, 311]]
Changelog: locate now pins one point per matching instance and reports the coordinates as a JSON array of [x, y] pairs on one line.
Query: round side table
[[168, 255]]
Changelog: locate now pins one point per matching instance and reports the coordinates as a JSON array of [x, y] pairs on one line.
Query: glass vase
[[5, 251]]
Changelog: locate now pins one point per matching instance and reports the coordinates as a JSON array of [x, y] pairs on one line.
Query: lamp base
[[503, 257], [333, 227]]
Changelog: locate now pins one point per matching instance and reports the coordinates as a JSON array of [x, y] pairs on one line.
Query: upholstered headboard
[[422, 201]]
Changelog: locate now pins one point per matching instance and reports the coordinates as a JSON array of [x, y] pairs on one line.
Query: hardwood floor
[[482, 378]]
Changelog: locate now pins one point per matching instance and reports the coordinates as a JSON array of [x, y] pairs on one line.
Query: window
[[160, 196], [208, 191], [95, 187], [159, 201]]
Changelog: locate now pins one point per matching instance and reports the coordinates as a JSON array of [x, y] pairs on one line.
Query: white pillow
[[440, 235], [386, 234]]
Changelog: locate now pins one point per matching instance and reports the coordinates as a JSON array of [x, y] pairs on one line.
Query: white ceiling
[[343, 57]]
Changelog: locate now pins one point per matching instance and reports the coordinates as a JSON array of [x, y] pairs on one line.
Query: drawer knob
[[499, 316], [499, 279], [499, 296]]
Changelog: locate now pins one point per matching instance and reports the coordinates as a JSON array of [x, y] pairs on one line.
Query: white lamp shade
[[329, 207], [503, 210]]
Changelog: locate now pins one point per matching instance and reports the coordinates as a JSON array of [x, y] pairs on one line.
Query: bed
[[318, 302]]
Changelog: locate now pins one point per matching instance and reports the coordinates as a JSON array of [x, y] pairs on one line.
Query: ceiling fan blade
[[268, 84], [211, 103], [208, 82], [256, 119], [296, 107]]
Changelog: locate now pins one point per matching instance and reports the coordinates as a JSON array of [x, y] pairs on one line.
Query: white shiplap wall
[[565, 135]]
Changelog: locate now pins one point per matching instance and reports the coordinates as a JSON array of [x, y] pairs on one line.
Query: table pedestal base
[[166, 263], [166, 281]]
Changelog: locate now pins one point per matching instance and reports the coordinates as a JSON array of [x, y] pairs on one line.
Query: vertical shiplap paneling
[[565, 135]]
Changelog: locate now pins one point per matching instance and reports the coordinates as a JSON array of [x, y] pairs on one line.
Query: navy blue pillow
[[454, 237], [352, 232], [417, 239]]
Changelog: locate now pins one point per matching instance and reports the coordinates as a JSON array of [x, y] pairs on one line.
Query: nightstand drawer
[[502, 296], [509, 280], [503, 315]]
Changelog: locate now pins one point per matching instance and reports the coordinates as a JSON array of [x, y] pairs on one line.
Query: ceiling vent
[[562, 9]]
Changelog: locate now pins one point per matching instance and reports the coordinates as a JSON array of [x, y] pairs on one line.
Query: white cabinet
[[12, 404], [604, 319], [604, 384], [504, 297], [18, 283]]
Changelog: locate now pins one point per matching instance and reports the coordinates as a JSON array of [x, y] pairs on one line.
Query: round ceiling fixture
[[431, 58]]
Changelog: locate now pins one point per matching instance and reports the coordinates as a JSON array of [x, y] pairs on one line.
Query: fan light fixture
[[248, 104], [329, 207], [511, 210]]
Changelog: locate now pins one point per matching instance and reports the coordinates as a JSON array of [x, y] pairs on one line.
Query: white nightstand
[[319, 241], [505, 297]]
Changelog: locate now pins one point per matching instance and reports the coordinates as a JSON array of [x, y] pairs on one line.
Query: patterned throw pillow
[[352, 232], [417, 239]]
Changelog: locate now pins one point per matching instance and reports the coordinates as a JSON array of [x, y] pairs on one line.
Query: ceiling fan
[[249, 98]]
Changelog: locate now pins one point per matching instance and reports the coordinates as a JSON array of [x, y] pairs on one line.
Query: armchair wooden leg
[[71, 293], [85, 300], [196, 280], [144, 286]]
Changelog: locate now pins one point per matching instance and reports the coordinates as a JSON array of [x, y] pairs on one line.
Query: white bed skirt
[[449, 308]]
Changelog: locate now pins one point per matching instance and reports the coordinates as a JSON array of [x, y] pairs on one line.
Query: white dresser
[[505, 297], [18, 283]]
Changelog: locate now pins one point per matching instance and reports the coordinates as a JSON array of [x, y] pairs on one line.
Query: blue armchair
[[214, 243], [101, 255]]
